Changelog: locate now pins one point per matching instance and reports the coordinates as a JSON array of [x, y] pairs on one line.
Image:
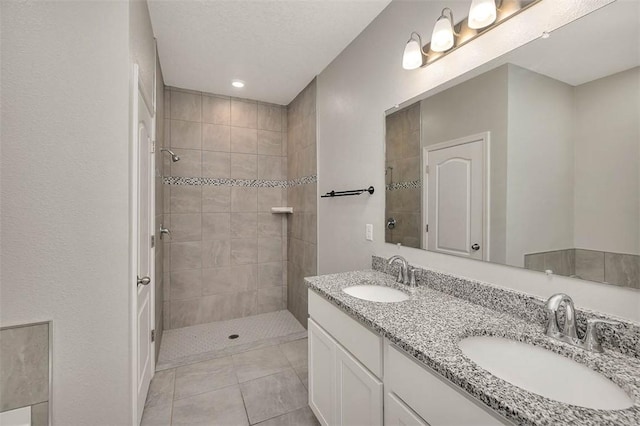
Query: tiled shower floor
[[258, 379], [188, 345]]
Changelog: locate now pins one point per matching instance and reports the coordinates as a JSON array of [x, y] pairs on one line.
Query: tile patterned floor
[[187, 345], [266, 387]]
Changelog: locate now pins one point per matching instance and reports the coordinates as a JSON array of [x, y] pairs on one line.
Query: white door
[[322, 355], [144, 256], [455, 197], [358, 393]]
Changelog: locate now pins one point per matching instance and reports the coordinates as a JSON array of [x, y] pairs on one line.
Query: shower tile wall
[[611, 268], [24, 370], [302, 230], [226, 257], [402, 176]]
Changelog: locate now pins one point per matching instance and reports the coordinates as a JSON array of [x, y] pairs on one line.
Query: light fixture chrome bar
[[506, 9]]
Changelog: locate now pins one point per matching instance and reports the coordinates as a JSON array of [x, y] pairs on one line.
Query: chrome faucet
[[406, 275], [569, 333]]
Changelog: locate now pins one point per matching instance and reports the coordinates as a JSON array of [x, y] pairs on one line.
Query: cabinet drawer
[[429, 395], [363, 343], [396, 413]]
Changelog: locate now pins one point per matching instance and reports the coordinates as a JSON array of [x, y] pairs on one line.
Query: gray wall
[[141, 43], [540, 178], [302, 229], [606, 119], [227, 252], [65, 192], [65, 196], [462, 111], [362, 83]]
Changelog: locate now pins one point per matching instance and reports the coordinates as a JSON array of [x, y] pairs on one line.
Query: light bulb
[[238, 83], [442, 37], [482, 13], [412, 57]]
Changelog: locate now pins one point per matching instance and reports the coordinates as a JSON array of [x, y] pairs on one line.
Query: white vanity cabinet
[[346, 369], [322, 377], [397, 413], [342, 390], [419, 391]]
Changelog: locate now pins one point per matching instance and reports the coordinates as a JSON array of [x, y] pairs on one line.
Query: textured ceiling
[[275, 46]]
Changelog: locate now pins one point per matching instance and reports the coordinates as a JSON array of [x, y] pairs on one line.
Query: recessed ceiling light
[[237, 83]]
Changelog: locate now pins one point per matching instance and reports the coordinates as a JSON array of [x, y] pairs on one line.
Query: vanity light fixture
[[442, 38], [482, 13], [413, 57], [239, 84], [448, 36]]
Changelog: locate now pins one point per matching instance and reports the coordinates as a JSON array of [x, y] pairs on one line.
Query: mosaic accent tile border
[[404, 185], [624, 338], [247, 183]]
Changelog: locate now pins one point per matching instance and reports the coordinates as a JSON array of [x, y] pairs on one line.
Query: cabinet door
[[358, 393], [438, 401], [322, 355], [396, 413]]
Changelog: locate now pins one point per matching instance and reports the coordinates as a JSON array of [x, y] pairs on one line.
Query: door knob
[[391, 223], [475, 247], [144, 280]]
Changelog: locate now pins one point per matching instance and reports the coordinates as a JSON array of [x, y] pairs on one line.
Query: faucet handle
[[595, 321], [591, 341], [164, 231]]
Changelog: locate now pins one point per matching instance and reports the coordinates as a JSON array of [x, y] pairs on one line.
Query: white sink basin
[[376, 293], [545, 373]]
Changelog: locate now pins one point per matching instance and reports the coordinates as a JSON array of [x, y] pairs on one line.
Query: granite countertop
[[430, 324]]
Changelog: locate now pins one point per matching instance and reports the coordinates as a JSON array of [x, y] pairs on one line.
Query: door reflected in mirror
[[531, 160]]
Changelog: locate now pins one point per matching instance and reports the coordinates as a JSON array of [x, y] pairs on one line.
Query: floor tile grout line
[[287, 337], [279, 415], [282, 414], [237, 383], [239, 386], [172, 398], [244, 404], [208, 391], [287, 358], [227, 351], [269, 375]]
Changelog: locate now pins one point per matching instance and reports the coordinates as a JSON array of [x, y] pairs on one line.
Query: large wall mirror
[[532, 160]]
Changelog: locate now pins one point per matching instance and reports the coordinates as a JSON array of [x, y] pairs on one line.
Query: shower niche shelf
[[282, 210]]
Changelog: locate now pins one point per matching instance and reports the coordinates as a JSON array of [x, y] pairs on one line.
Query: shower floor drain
[[234, 336], [181, 346]]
